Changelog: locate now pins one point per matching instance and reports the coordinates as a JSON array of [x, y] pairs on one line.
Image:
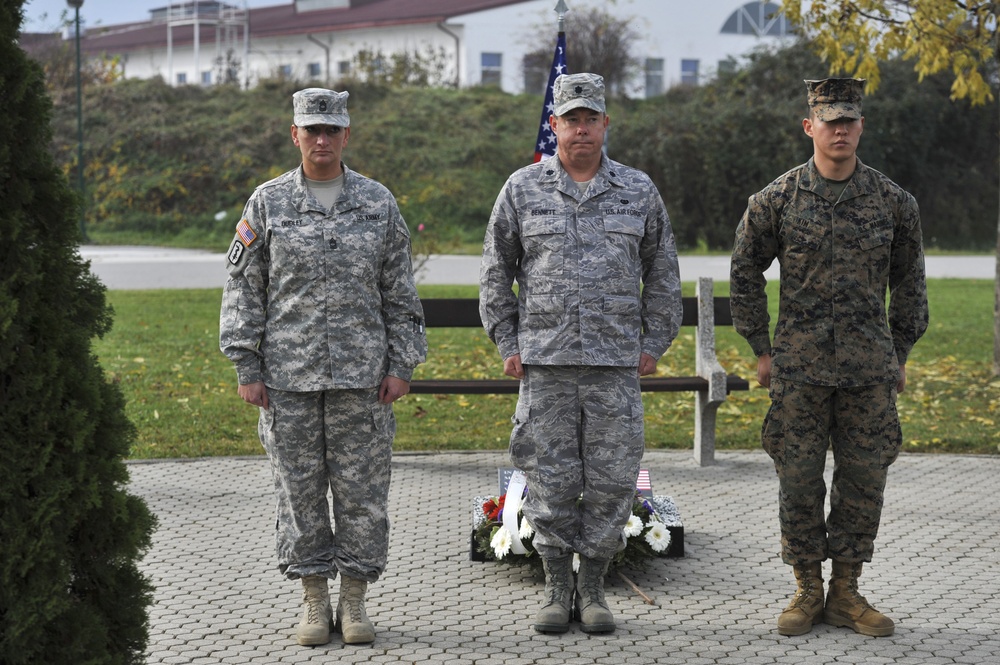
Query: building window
[[182, 78], [206, 78], [491, 68], [727, 66], [285, 71], [314, 69], [654, 77], [536, 67], [760, 19], [344, 67], [689, 72]]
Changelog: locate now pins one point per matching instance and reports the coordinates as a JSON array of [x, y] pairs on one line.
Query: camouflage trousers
[[862, 428], [336, 441], [578, 437]]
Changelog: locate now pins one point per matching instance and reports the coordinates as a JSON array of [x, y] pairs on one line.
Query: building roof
[[282, 20], [37, 43]]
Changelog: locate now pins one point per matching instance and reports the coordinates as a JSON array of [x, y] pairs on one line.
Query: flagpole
[[545, 145]]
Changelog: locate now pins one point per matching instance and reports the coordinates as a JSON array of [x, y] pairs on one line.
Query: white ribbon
[[511, 506]]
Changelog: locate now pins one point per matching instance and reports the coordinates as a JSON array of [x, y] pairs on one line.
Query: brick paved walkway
[[219, 599]]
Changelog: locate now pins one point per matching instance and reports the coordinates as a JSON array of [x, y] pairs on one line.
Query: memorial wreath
[[646, 536]]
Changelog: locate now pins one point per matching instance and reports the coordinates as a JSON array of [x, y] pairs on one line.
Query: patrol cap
[[832, 99], [318, 106], [573, 91]]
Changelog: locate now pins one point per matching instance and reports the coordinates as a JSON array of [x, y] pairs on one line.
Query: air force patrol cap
[[573, 91], [832, 99], [318, 106]]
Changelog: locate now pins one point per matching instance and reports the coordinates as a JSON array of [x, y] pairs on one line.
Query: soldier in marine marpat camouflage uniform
[[580, 234], [843, 233], [321, 318]]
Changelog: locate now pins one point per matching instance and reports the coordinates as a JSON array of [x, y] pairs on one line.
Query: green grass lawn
[[181, 391]]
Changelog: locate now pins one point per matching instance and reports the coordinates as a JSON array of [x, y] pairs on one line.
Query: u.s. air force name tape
[[511, 507]]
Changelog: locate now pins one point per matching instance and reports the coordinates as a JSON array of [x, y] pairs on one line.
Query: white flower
[[500, 542], [525, 531], [576, 562], [633, 527], [658, 536]]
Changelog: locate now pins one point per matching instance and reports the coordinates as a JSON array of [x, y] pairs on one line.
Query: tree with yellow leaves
[[959, 36]]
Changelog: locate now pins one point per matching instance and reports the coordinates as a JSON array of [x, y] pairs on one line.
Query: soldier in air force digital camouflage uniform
[[321, 318], [842, 233], [579, 233]]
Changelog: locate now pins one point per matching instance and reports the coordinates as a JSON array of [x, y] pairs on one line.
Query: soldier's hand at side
[[512, 367], [901, 383], [392, 388], [764, 370], [647, 364], [254, 393]]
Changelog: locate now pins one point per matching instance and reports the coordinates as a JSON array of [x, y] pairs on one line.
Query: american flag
[[245, 232], [545, 146], [643, 484]]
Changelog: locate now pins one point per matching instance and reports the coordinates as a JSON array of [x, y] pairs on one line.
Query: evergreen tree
[[70, 534]]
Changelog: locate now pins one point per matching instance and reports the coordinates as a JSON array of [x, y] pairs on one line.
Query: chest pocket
[[874, 234], [624, 235], [354, 242], [292, 244], [803, 234], [544, 241], [625, 225]]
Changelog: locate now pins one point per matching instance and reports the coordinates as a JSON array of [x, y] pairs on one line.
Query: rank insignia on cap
[[245, 233], [571, 91]]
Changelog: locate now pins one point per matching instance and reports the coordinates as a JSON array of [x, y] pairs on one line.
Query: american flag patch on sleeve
[[245, 233]]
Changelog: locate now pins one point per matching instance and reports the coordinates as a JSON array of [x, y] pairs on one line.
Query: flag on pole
[[545, 146]]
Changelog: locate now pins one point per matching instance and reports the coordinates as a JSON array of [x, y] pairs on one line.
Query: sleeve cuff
[[760, 344], [404, 373], [902, 355], [246, 375]]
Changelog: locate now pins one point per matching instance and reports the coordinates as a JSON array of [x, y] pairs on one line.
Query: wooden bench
[[710, 383]]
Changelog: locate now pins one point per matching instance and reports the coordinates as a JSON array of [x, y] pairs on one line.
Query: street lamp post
[[76, 4]]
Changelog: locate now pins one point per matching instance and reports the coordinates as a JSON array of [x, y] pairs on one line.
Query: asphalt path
[[124, 268]]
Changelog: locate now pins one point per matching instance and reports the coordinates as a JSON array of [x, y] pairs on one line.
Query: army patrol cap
[[573, 91], [832, 99], [318, 106]]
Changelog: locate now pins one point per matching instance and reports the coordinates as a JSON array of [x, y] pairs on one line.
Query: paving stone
[[220, 599]]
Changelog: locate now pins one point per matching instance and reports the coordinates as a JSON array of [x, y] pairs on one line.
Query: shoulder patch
[[245, 233], [236, 252]]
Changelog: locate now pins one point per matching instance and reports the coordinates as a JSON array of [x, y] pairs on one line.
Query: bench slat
[[510, 386], [464, 312]]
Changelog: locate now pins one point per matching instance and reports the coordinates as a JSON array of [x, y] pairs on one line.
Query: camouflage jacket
[[578, 261], [837, 258], [320, 299]]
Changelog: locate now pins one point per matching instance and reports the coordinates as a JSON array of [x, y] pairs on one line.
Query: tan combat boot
[[846, 607], [806, 608], [314, 628], [352, 621], [591, 607], [553, 616]]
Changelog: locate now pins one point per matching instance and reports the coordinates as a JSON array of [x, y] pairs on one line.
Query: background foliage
[[162, 161], [70, 533]]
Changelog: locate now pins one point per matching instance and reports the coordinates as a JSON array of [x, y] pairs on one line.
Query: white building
[[478, 41]]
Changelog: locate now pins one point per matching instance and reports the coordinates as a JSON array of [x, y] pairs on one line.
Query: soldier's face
[[836, 140], [580, 133], [321, 147]]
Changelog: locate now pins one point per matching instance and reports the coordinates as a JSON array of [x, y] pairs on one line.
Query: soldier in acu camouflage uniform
[[579, 233], [843, 233], [321, 318]]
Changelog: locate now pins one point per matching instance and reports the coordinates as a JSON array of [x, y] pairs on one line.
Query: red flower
[[492, 508]]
